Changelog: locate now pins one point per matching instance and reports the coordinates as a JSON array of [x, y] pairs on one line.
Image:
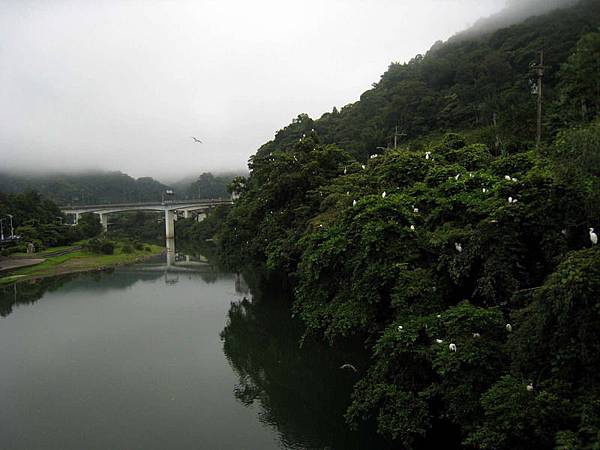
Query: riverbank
[[78, 260]]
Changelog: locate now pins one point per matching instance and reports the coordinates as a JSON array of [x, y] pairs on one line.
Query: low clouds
[[123, 85]]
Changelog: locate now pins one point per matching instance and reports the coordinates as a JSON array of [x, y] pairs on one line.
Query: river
[[165, 356]]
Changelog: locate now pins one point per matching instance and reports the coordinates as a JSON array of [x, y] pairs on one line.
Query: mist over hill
[[516, 11]]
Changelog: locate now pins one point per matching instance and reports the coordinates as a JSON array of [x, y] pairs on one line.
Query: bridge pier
[[169, 224], [104, 221]]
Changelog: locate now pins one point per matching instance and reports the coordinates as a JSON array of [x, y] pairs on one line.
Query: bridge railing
[[213, 201]]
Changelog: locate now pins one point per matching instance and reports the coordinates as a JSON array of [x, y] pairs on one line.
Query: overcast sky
[[124, 84]]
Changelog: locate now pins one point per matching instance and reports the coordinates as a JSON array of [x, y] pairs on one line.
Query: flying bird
[[348, 366], [196, 140]]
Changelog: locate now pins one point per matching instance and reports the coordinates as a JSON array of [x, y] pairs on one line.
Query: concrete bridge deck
[[170, 208]]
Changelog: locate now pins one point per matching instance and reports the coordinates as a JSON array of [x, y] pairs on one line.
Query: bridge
[[170, 209]]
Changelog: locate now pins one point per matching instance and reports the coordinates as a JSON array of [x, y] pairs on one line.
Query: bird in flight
[[196, 140]]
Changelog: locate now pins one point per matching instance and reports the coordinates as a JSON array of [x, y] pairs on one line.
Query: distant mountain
[[88, 188]]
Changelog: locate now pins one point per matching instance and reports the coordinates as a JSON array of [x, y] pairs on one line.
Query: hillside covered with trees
[[464, 259], [86, 188]]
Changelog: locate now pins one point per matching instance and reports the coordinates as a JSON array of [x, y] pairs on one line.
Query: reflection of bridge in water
[[171, 210]]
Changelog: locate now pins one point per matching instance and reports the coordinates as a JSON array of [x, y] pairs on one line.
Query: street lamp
[[12, 230]]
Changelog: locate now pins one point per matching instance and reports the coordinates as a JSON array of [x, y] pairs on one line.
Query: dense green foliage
[[463, 262], [40, 221]]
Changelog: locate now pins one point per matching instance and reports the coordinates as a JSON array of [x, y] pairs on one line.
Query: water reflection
[[302, 393], [132, 335]]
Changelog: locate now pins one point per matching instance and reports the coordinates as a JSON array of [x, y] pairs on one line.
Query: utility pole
[[540, 76], [396, 135]]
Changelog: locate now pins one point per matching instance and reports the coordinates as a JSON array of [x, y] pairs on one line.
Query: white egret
[[476, 335], [345, 170], [412, 228], [384, 194], [427, 155], [458, 247], [508, 327], [439, 341], [593, 236], [364, 167], [415, 210], [530, 387], [484, 190], [400, 328], [452, 347], [354, 203], [457, 176], [507, 177]]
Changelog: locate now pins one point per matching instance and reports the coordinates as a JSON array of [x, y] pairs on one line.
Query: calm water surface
[[150, 358]]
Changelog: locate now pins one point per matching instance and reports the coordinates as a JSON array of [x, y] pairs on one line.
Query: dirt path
[[14, 263]]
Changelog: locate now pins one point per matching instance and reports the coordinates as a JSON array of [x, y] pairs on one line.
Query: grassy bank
[[79, 261]]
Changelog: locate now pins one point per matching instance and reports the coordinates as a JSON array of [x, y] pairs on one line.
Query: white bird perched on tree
[[427, 155], [375, 155], [345, 170], [476, 335], [593, 236], [348, 366], [347, 192], [457, 176], [400, 328], [364, 167], [452, 347], [384, 194], [507, 177], [439, 316], [458, 247], [484, 190], [508, 327], [354, 203], [415, 210], [439, 341], [514, 180], [412, 228], [530, 387]]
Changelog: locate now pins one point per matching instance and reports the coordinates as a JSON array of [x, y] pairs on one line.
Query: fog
[[124, 85]]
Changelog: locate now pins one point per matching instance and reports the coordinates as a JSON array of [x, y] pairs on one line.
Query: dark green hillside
[[463, 260], [460, 85], [89, 188]]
